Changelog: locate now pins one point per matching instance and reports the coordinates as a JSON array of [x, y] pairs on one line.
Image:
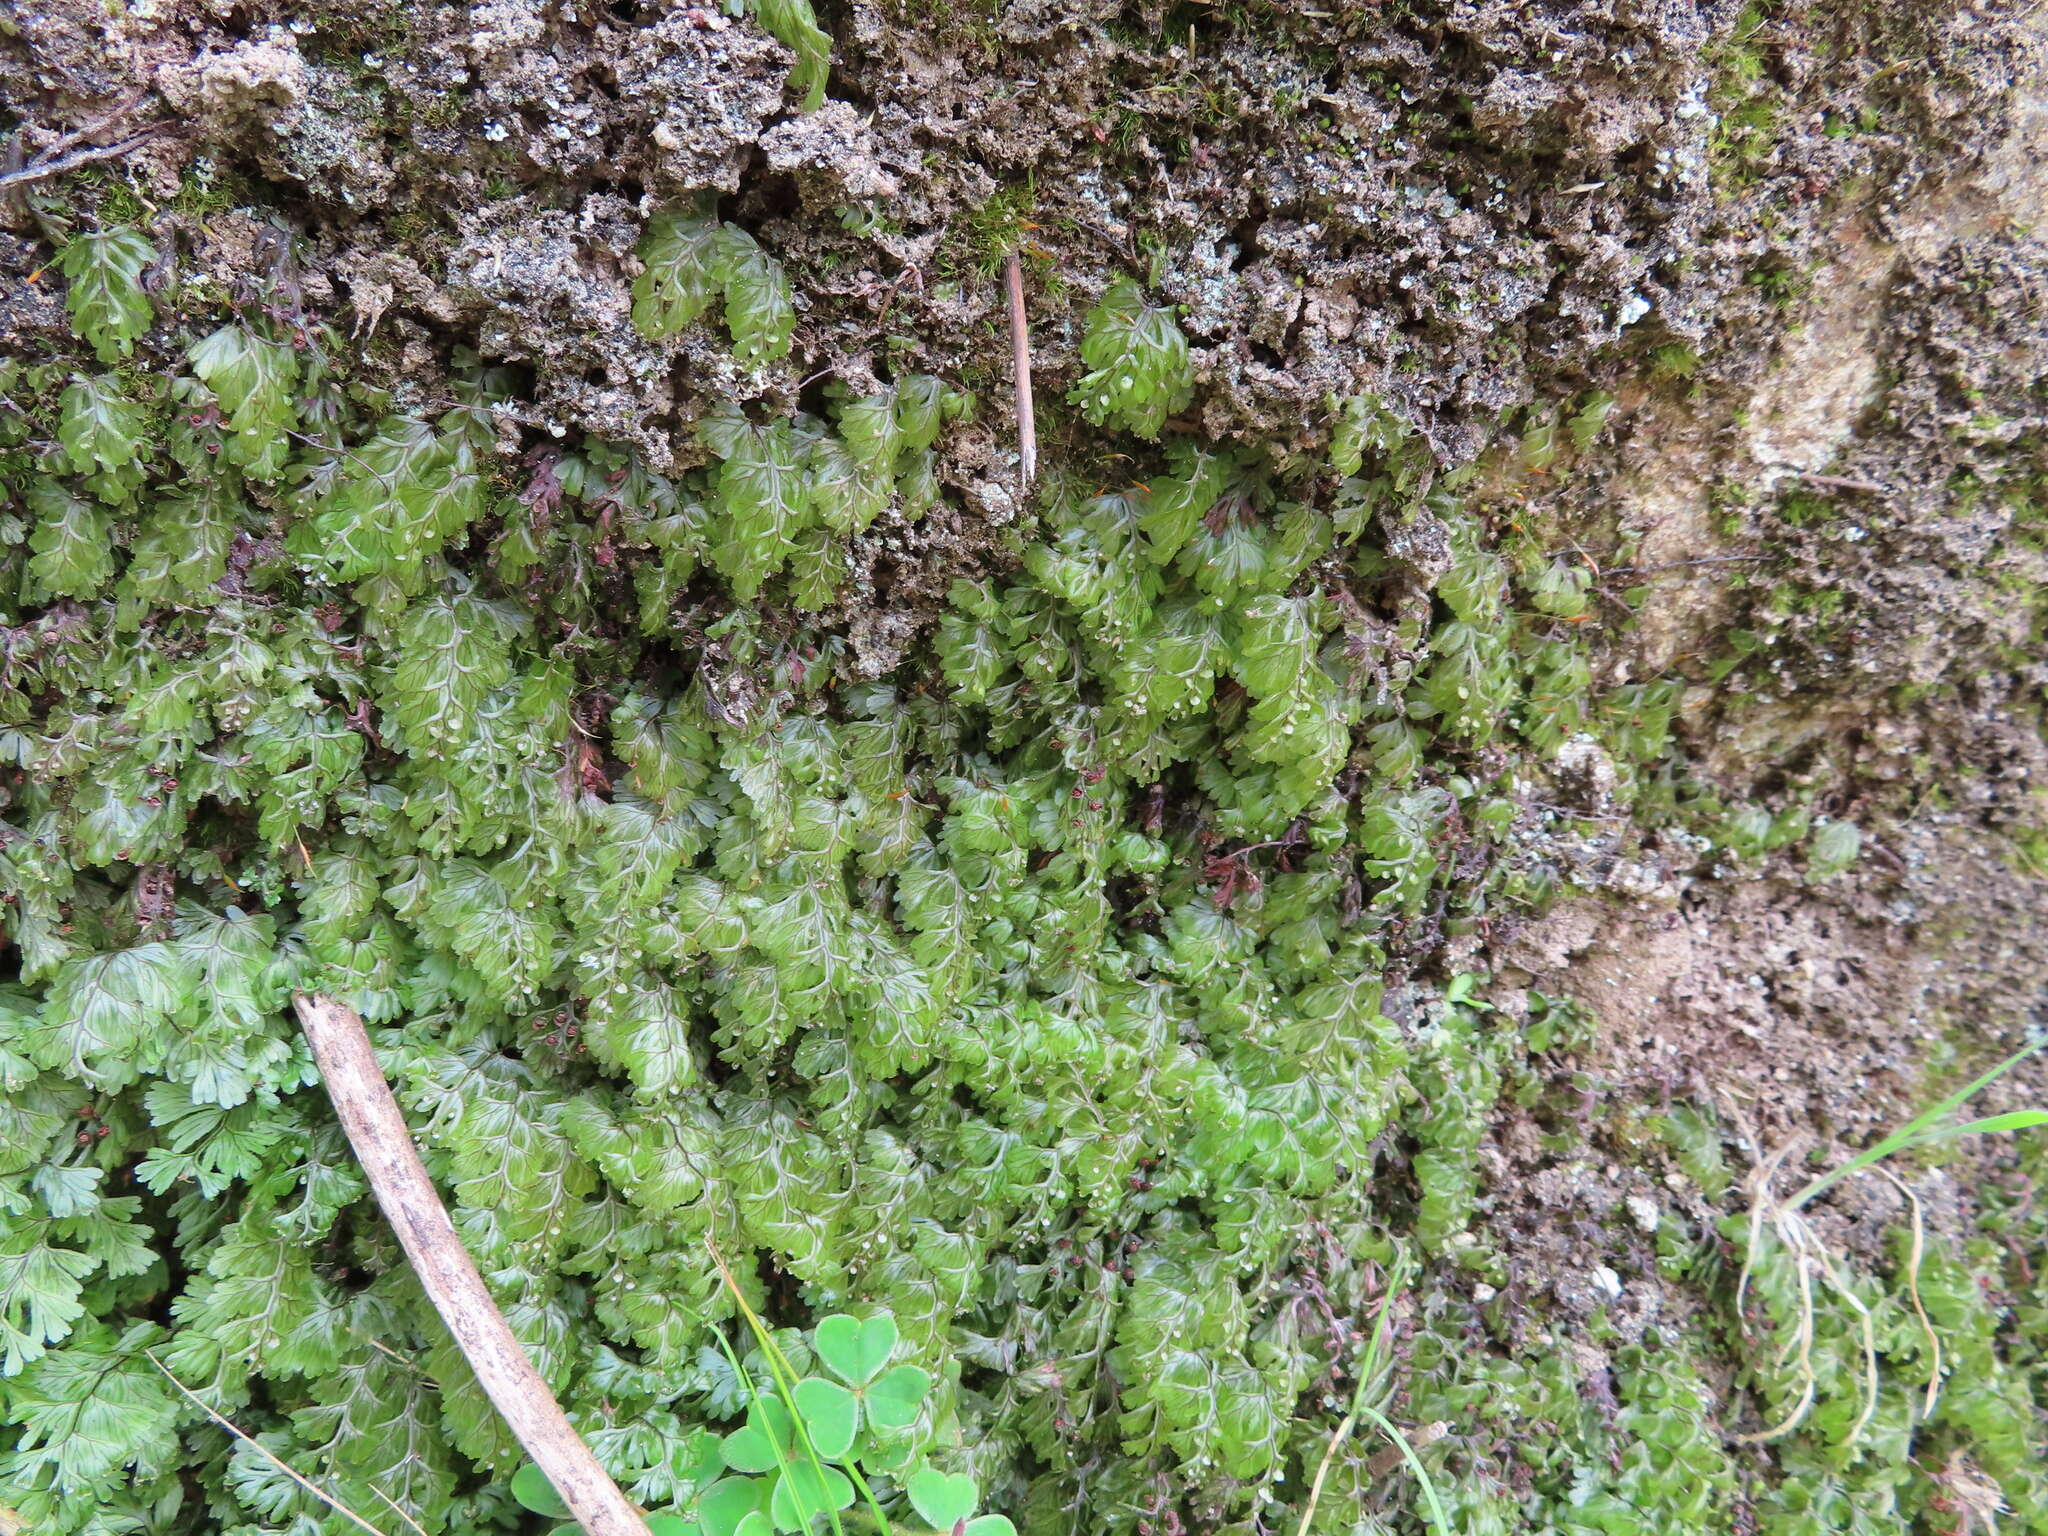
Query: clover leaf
[[857, 1351], [806, 1490], [830, 1413], [532, 1489], [892, 1402], [854, 1350], [765, 1442], [732, 1507], [944, 1499], [696, 1460]]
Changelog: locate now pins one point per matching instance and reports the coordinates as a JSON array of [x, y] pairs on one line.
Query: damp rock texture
[[1641, 410]]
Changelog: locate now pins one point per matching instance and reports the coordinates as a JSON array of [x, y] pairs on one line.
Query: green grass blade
[[1438, 1520], [785, 1379], [754, 1396], [1374, 1360], [1923, 1127], [2016, 1120]]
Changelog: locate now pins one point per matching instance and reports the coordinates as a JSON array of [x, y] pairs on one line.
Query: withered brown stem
[[376, 1129]]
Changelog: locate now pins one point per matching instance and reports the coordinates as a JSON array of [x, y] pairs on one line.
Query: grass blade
[[2017, 1120], [1438, 1520], [785, 1379], [1923, 1127]]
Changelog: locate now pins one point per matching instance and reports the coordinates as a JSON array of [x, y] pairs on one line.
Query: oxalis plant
[[1814, 1266], [812, 1449]]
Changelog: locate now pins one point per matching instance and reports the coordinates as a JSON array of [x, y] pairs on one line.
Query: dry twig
[[274, 1459], [42, 168], [1845, 483], [375, 1128], [1020, 354]]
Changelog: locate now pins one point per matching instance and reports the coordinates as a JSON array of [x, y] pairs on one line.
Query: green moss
[[1747, 103], [1674, 360], [1782, 284], [991, 232], [2030, 852]]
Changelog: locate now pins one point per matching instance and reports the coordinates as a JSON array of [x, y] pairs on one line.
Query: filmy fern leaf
[[253, 379], [683, 271], [1139, 370], [795, 25], [758, 309], [107, 301]]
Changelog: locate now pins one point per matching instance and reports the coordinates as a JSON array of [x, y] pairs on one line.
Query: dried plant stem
[[1809, 1256], [43, 169], [375, 1128], [265, 1451], [1914, 1258], [1020, 356], [1315, 1488]]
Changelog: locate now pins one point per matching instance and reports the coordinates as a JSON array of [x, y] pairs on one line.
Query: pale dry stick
[[41, 171], [1315, 1488], [1913, 1262], [1764, 1210], [1832, 1271], [1809, 1257], [1809, 1254], [95, 127], [1377, 1466], [1845, 483], [391, 1354], [275, 1460], [1759, 1205], [375, 1128], [394, 1506], [1801, 1342], [1020, 357]]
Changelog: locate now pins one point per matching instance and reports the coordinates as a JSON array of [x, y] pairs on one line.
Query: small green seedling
[[1811, 1259], [807, 1447]]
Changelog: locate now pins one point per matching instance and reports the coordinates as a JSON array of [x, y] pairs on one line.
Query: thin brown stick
[[375, 1128], [1679, 565], [1845, 483], [95, 127], [398, 1510], [1914, 1258], [1020, 356], [275, 1460], [1315, 1488], [78, 157]]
